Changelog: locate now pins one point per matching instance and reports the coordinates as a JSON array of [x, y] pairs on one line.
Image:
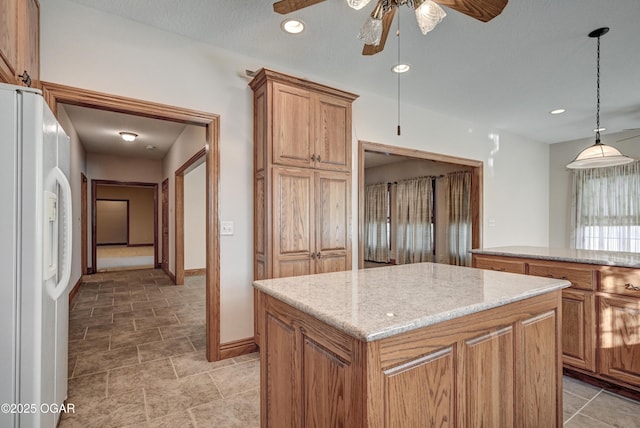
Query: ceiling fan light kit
[[428, 14], [599, 155], [371, 31], [357, 4]]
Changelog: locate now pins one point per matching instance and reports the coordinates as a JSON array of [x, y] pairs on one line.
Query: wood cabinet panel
[[580, 276], [293, 211], [259, 214], [499, 264], [487, 397], [333, 134], [29, 40], [292, 126], [620, 338], [333, 204], [325, 386], [539, 373], [8, 40], [260, 129], [620, 280], [288, 266], [421, 392], [579, 329]]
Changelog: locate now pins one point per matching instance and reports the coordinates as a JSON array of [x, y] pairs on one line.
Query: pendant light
[[598, 155]]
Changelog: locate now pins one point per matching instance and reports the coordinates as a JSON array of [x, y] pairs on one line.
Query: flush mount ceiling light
[[128, 136], [401, 68], [292, 26], [598, 155], [428, 14], [557, 111]]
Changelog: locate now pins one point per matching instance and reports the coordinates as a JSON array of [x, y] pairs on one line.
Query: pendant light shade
[[599, 155]]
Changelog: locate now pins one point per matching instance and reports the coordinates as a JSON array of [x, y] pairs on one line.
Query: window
[[607, 208]]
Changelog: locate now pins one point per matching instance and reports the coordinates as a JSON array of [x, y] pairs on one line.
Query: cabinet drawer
[[499, 264], [582, 277], [620, 280]]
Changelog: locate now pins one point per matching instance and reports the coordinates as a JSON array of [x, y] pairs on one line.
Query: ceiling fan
[[428, 14]]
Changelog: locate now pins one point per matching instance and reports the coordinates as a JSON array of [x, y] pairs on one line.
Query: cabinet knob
[[313, 157], [319, 255], [318, 158], [630, 286], [313, 256], [25, 78]]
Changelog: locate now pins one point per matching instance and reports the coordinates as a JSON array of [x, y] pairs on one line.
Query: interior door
[[165, 225]]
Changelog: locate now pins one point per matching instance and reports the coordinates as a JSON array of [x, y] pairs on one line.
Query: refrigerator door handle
[[56, 175]]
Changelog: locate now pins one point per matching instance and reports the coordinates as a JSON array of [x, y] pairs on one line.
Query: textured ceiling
[[508, 73], [99, 132]]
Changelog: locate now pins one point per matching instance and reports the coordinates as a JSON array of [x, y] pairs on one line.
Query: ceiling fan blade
[[287, 6], [483, 10], [386, 26]]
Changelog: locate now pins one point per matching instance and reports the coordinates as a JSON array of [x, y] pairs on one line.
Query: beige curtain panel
[[458, 203], [414, 220], [376, 209]]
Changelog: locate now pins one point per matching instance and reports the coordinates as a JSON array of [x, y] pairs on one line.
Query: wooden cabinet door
[[333, 219], [292, 126], [579, 329], [29, 40], [332, 134], [620, 338], [293, 222], [8, 40]]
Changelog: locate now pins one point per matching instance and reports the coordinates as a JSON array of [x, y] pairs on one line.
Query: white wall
[[78, 166], [86, 48], [560, 180], [192, 140], [195, 227]]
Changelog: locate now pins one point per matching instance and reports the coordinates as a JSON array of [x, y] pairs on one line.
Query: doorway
[[56, 94], [387, 154]]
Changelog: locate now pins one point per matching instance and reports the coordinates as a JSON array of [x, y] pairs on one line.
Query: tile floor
[[136, 359]]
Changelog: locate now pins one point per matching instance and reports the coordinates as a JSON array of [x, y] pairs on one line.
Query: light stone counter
[[372, 304], [609, 258]]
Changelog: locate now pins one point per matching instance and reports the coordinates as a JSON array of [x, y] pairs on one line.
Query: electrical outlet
[[226, 228]]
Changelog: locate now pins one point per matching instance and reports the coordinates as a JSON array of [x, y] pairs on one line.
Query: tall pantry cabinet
[[302, 177]]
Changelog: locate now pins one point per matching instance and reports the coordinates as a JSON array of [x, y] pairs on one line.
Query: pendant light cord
[[598, 95], [398, 36]]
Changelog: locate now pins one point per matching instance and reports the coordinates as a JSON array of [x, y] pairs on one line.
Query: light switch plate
[[226, 228]]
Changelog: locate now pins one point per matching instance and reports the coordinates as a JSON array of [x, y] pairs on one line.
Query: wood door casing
[[83, 224], [165, 225], [619, 338]]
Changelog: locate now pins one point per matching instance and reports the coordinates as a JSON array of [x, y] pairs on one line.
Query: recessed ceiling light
[[557, 111], [292, 26], [400, 68], [150, 147], [599, 129], [128, 136]]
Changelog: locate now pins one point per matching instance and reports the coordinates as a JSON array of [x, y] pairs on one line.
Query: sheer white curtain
[[457, 222], [376, 209], [414, 220], [606, 208]]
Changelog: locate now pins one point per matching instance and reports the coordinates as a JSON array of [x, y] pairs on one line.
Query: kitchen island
[[410, 346]]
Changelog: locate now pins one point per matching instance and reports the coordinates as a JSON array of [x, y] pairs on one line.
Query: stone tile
[[81, 313], [131, 298], [145, 323], [71, 365], [159, 303], [77, 333], [199, 341], [96, 304], [237, 378], [97, 344], [571, 404], [163, 349], [579, 388], [163, 312], [186, 318], [614, 410], [174, 301], [87, 388], [141, 313], [582, 421], [174, 420], [107, 310], [91, 321], [112, 412], [240, 411], [247, 357], [85, 296], [196, 362], [122, 340], [182, 330], [103, 361], [109, 329], [180, 394], [141, 375]]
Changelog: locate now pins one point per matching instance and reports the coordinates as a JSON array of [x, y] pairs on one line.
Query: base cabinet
[[496, 368], [620, 338]]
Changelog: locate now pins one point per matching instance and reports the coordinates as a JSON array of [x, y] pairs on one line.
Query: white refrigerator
[[35, 259]]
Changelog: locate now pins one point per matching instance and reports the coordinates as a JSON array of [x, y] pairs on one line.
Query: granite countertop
[[371, 304], [609, 258]]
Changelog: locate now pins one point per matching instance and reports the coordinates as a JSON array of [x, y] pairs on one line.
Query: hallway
[[136, 358]]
